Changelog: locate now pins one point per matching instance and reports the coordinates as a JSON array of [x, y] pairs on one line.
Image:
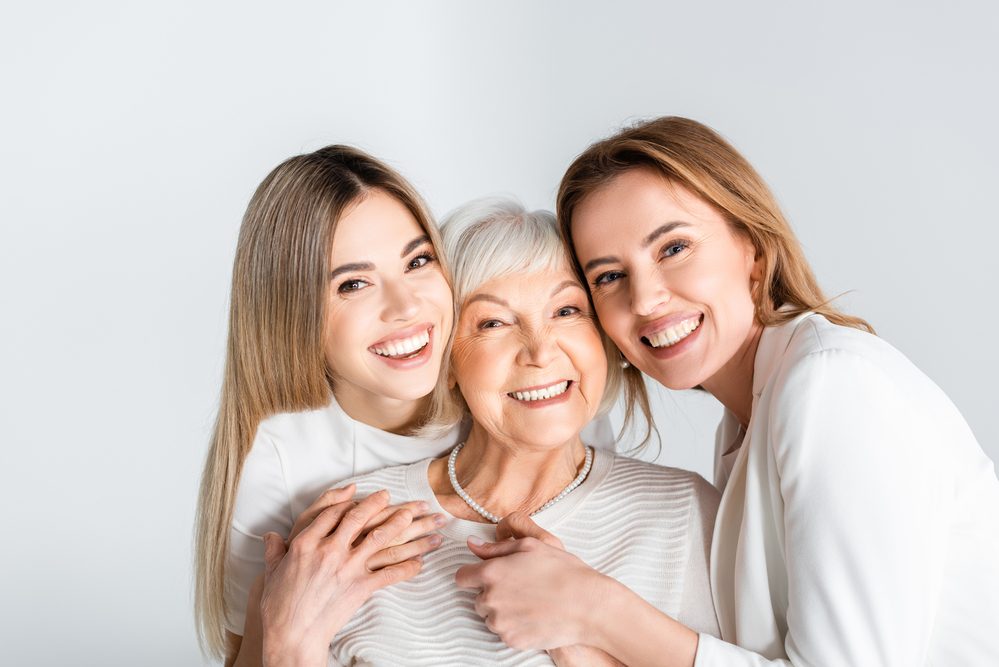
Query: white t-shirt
[[298, 455], [645, 525]]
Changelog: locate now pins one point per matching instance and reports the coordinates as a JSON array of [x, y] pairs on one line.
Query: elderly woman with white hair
[[530, 368]]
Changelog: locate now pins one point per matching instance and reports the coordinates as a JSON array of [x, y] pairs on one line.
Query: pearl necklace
[[486, 514]]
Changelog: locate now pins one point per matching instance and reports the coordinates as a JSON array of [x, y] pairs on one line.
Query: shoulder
[[666, 485], [307, 429], [398, 479], [820, 355]]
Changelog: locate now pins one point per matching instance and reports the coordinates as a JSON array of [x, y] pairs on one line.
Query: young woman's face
[[528, 359], [670, 279], [389, 313]]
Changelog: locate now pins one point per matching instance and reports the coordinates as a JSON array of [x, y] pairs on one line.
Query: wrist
[[597, 625], [279, 652]]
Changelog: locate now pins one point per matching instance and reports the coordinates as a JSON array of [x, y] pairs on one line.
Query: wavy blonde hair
[[274, 355], [693, 155]]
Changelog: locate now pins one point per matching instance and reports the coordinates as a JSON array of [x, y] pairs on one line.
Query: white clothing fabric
[[295, 457], [860, 521], [646, 525]]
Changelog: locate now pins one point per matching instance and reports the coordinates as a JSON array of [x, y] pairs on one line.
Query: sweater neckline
[[418, 485]]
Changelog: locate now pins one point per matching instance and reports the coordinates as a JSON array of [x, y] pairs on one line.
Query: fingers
[[324, 524], [420, 527], [384, 535], [326, 499], [401, 552], [487, 550], [425, 524], [393, 574], [471, 576], [356, 518], [519, 524], [274, 551]]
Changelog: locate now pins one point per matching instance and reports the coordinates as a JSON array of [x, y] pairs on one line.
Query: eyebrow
[[414, 244], [487, 297], [565, 284], [346, 268], [661, 230], [368, 266]]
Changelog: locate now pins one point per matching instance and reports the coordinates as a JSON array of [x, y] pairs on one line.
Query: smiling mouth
[[674, 334], [542, 393], [403, 348]]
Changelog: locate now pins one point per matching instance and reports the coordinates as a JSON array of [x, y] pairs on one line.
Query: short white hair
[[496, 236], [492, 237]]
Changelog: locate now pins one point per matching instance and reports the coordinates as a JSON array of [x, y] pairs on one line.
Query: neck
[[732, 385], [388, 414], [505, 476]]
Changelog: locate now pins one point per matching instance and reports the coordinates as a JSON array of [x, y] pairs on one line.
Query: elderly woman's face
[[528, 359]]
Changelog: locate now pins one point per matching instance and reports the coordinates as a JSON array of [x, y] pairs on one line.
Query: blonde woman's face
[[528, 359], [670, 280], [390, 312]]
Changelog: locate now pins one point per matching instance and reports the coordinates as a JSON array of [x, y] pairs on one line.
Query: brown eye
[[352, 286]]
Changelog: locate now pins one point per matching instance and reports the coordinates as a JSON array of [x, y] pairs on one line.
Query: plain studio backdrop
[[135, 133]]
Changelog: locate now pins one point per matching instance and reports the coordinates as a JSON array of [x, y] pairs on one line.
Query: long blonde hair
[[274, 356], [693, 155]]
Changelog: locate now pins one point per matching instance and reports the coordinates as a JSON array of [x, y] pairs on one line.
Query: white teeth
[[675, 333], [542, 394], [404, 347]]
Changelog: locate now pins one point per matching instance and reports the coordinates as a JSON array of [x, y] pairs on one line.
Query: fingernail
[[475, 540], [436, 540], [440, 519], [423, 508]]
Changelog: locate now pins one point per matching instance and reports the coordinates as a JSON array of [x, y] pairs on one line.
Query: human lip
[[404, 343], [543, 393], [670, 330]]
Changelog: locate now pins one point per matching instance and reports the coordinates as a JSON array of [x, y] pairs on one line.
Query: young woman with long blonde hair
[[340, 314]]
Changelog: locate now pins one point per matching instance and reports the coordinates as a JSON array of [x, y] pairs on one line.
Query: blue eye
[[566, 311], [674, 248], [352, 286], [607, 278], [420, 261]]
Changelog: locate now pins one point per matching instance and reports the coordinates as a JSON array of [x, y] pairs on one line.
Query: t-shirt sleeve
[[262, 505], [697, 609], [863, 531]]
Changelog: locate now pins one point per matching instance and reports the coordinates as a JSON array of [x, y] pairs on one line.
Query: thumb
[[274, 551], [518, 524], [487, 550]]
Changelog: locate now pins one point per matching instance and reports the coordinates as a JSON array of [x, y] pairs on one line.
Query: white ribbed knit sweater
[[647, 526]]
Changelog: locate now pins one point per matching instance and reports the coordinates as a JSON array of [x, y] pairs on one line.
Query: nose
[[539, 348], [399, 302], [648, 295]]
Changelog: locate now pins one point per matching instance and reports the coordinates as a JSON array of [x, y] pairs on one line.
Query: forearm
[[636, 633]]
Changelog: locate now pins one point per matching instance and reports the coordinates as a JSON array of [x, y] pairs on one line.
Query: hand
[[314, 585], [422, 525], [532, 593], [578, 655]]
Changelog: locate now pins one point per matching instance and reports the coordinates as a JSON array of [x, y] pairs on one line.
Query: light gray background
[[134, 133]]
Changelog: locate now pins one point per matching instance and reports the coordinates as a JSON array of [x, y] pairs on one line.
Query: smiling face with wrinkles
[[528, 358]]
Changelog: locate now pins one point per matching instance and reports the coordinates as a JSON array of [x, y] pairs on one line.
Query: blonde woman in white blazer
[[859, 521]]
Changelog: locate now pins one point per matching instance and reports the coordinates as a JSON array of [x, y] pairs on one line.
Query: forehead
[[525, 289], [378, 222], [639, 197]]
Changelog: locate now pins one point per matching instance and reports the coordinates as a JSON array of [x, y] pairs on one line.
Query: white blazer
[[860, 522]]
